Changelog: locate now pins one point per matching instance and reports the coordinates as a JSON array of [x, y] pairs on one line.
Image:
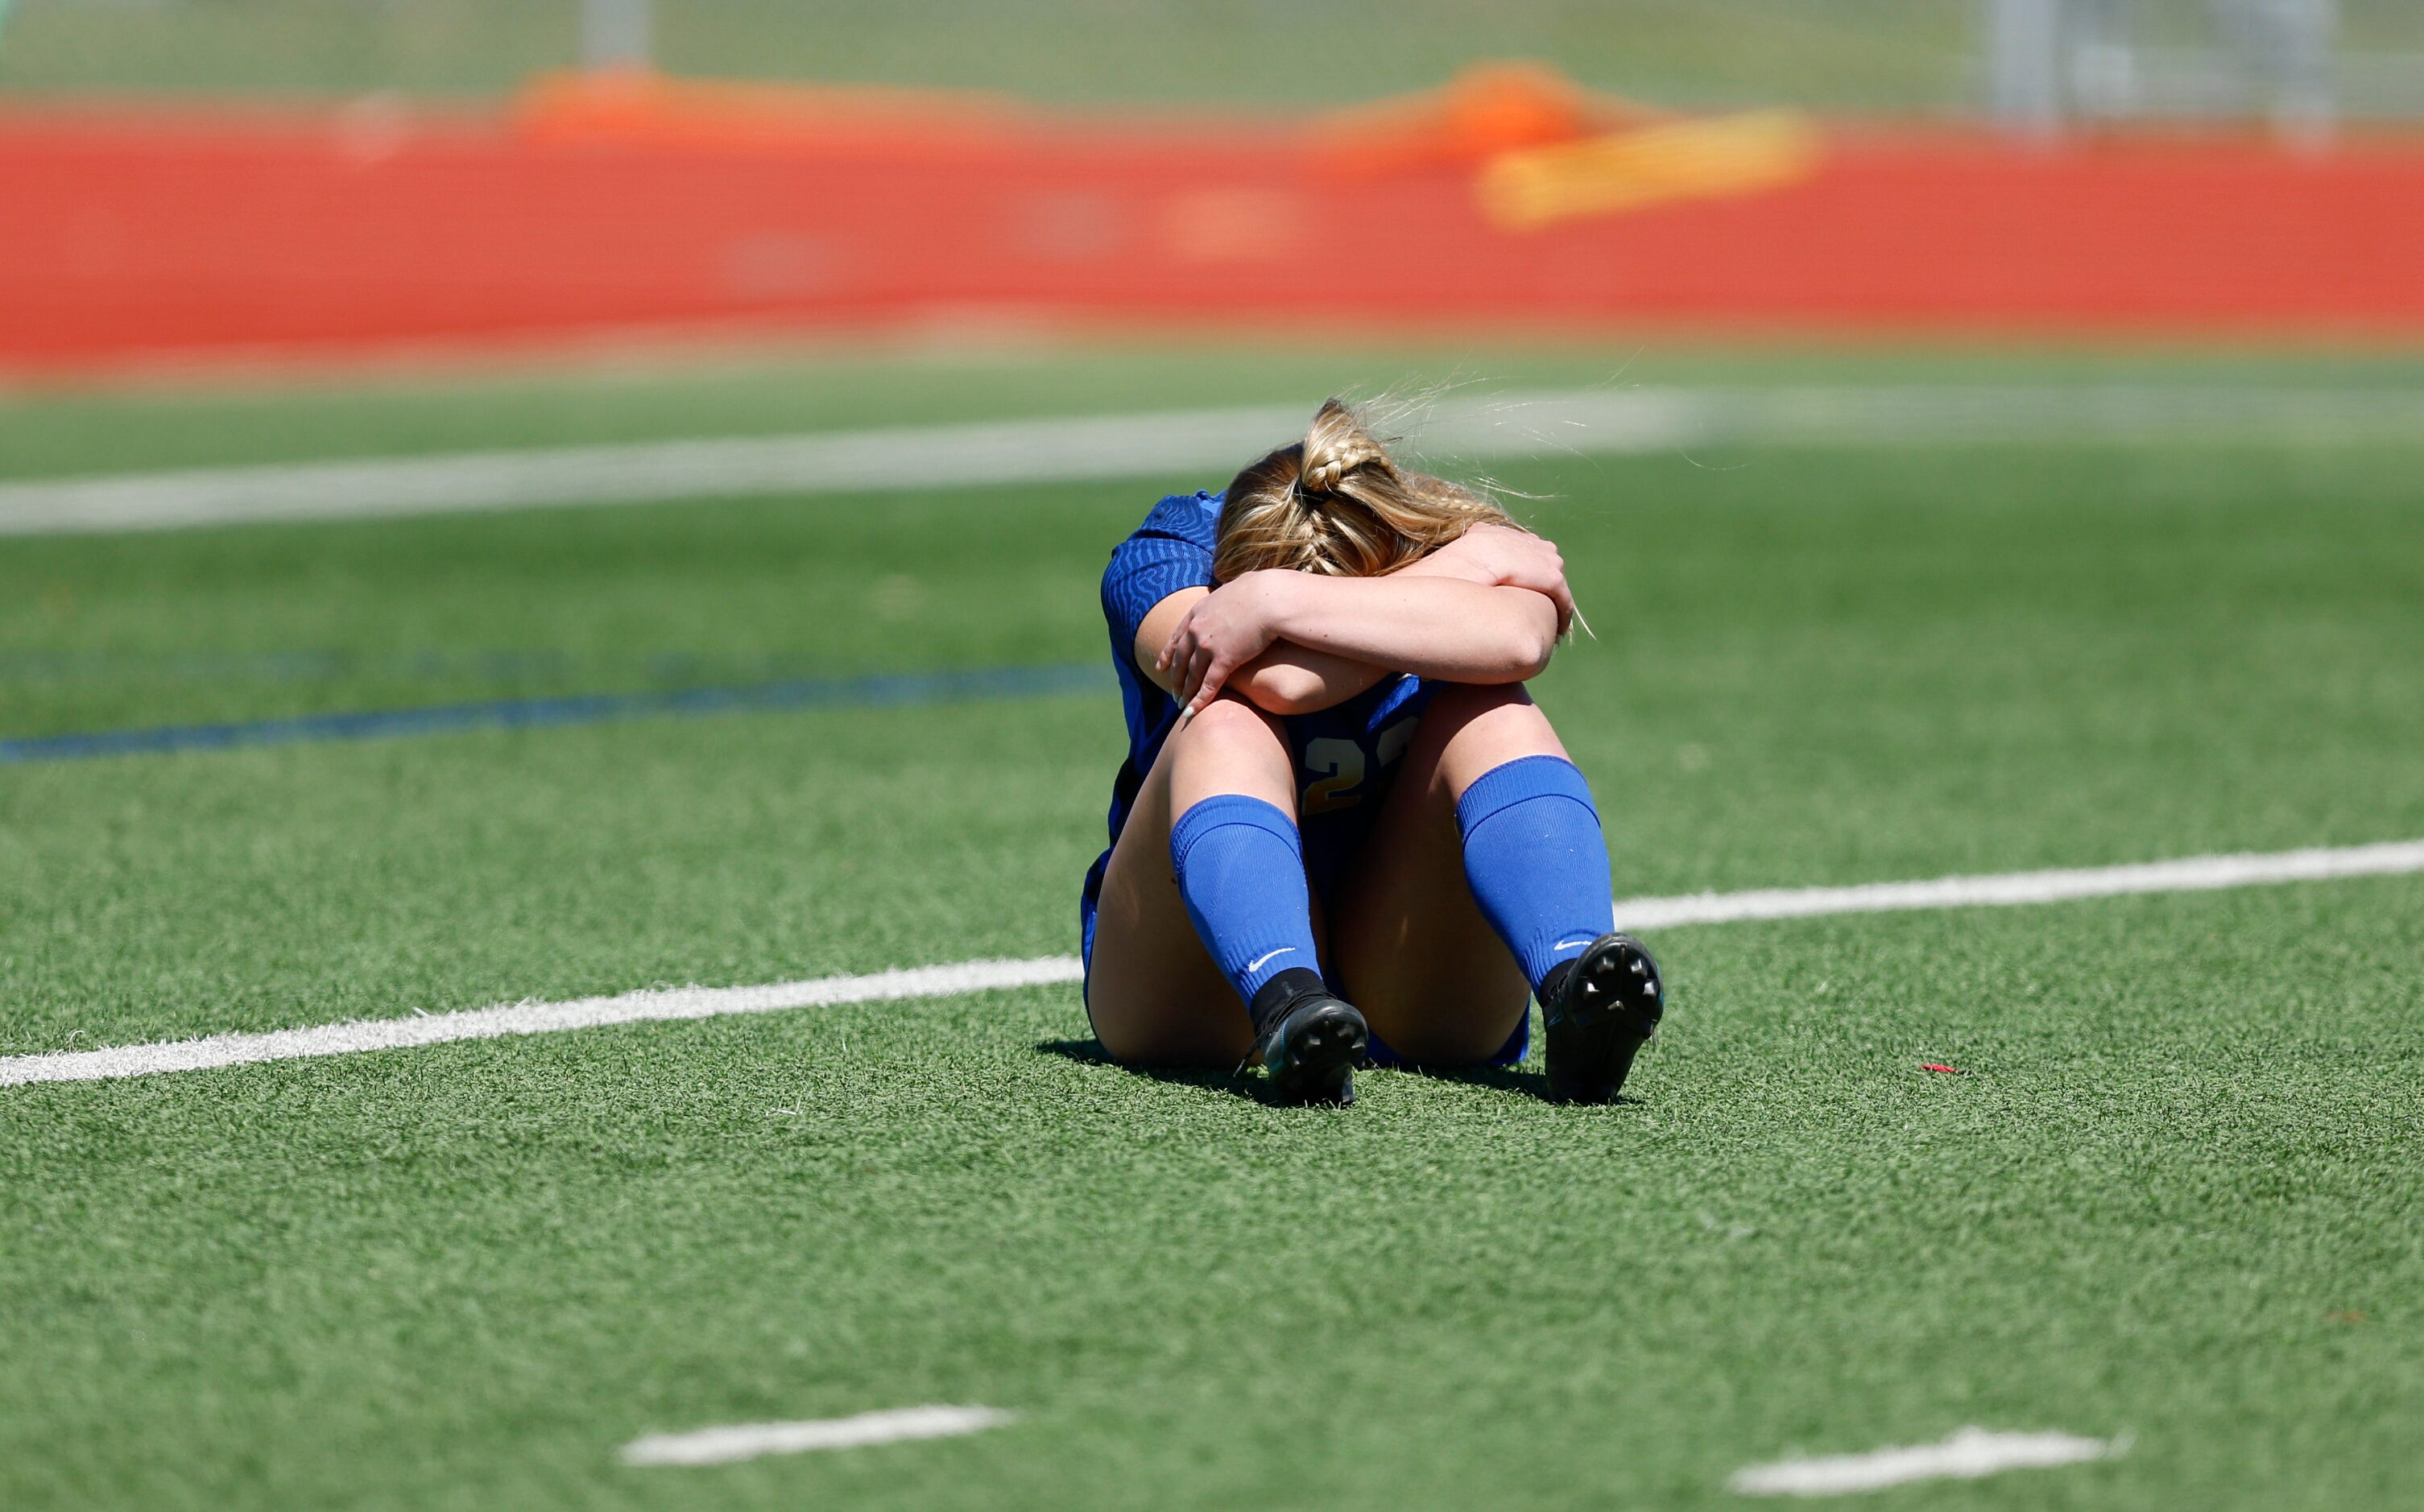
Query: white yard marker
[[748, 1440], [1969, 1454], [2194, 874], [1188, 448]]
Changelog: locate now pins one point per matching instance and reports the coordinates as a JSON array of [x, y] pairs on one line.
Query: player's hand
[[1513, 558], [1223, 631], [1503, 557]]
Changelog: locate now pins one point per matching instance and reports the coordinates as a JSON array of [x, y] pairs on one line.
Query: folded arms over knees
[[1486, 609]]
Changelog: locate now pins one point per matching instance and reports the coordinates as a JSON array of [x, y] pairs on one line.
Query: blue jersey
[[1344, 756]]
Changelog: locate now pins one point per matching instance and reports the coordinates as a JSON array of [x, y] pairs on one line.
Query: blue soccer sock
[[1241, 870], [1536, 860]]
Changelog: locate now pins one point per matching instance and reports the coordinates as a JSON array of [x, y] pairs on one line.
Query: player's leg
[[1205, 912], [1411, 946], [1155, 996], [1486, 881]]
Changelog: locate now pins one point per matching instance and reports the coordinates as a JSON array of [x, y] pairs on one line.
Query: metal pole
[[2303, 100], [2024, 64], [2101, 67], [2312, 108], [616, 34]]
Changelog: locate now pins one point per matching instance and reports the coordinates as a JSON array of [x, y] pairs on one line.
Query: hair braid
[[1337, 503]]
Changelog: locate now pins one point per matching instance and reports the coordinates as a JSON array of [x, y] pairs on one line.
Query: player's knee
[[1468, 700], [1494, 706], [1469, 729], [1229, 720]]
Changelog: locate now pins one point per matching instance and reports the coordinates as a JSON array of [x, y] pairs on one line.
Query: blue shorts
[[1346, 759]]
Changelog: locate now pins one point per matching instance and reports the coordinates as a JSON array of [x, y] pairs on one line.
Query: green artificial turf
[[2174, 1194], [275, 415]]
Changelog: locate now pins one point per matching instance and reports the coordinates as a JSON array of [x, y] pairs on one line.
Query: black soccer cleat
[[1601, 1008], [1310, 1040]]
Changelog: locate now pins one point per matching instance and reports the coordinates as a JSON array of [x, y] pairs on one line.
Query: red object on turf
[[1930, 1065]]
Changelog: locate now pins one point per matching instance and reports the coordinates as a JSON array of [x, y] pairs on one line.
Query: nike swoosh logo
[[1257, 964], [1579, 939]]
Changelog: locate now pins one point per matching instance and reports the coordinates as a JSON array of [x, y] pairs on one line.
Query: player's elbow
[[1523, 651], [1517, 639], [1539, 647]]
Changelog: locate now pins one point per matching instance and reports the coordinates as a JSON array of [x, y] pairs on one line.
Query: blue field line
[[511, 668], [879, 690]]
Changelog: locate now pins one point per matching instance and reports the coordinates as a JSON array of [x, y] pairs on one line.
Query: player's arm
[[1451, 627], [1282, 679], [1504, 557], [1288, 678]]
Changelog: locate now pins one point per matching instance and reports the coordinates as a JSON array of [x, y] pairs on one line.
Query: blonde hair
[[1339, 504]]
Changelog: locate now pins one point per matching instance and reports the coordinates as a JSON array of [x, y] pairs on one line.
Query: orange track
[[133, 235]]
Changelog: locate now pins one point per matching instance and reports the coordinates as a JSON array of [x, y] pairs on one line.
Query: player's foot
[[1310, 1040], [1601, 1006]]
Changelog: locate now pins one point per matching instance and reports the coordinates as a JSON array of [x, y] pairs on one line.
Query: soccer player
[[1343, 828]]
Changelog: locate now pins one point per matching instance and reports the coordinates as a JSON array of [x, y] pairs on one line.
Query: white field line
[[1969, 1454], [1189, 449], [748, 1440], [652, 1006], [2194, 874]]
